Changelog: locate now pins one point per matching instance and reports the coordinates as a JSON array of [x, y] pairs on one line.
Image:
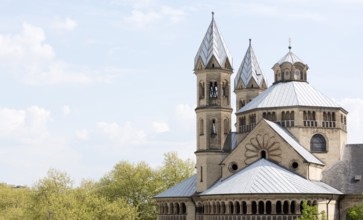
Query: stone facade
[[290, 137]]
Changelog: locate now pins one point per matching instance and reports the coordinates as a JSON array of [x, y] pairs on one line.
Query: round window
[[295, 165], [233, 167]]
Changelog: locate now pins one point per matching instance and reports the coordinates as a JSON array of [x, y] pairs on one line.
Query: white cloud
[[66, 110], [185, 112], [184, 117], [160, 127], [141, 18], [355, 118], [82, 134], [66, 24], [134, 3], [279, 10], [122, 133], [33, 61], [27, 126]]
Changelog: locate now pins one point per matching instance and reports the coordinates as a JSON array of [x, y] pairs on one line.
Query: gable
[[277, 146]]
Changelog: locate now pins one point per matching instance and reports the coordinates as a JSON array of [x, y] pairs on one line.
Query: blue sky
[[86, 84]]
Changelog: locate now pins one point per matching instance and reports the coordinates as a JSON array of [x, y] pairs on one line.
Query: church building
[[289, 144]]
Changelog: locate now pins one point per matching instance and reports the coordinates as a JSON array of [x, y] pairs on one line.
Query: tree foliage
[[311, 212], [356, 212], [125, 193], [175, 170]]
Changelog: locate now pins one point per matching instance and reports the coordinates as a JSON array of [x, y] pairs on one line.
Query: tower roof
[[213, 45], [288, 94], [249, 69], [290, 57]]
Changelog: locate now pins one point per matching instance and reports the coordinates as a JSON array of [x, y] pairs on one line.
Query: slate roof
[[184, 189], [231, 141], [288, 94], [342, 174], [265, 177], [290, 57], [213, 45], [249, 69], [291, 140]]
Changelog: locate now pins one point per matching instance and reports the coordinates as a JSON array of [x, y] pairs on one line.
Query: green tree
[[51, 197], [356, 212], [175, 170], [13, 202], [54, 197], [311, 212], [137, 184]]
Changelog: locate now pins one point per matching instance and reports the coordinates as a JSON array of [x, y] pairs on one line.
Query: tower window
[[318, 143], [201, 90], [214, 131], [226, 126], [263, 154], [201, 127], [213, 90], [201, 174]]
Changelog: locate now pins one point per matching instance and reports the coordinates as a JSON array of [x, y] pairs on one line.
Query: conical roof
[[213, 45], [249, 69], [290, 57]]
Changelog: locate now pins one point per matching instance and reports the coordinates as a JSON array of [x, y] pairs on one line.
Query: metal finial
[[250, 41], [212, 14], [289, 44]]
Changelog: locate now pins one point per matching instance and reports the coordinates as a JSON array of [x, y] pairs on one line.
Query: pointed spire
[[213, 45], [249, 69]]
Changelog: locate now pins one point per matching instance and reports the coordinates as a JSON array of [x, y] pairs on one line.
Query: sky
[[87, 84]]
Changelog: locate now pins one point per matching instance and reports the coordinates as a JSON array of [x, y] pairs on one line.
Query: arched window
[[263, 154], [215, 89], [273, 116], [177, 209], [286, 207], [201, 127], [244, 208], [226, 126], [318, 143], [225, 89], [237, 208], [231, 210], [223, 208], [254, 207], [293, 207], [261, 208], [214, 131], [268, 207], [241, 103], [201, 90], [278, 207]]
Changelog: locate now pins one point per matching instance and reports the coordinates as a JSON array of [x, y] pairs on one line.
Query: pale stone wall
[[288, 155], [208, 168]]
